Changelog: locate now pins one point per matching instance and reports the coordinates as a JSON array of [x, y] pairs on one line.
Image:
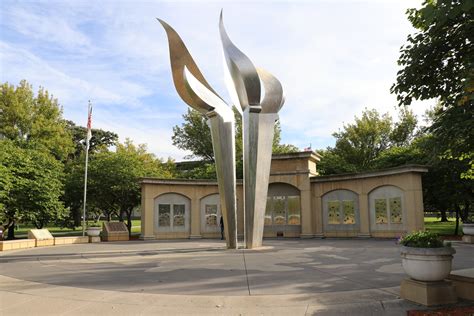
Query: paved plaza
[[323, 277]]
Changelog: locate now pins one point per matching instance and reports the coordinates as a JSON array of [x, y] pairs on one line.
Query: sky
[[333, 58]]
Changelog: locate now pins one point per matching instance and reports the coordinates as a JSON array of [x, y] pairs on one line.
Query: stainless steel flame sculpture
[[259, 110]]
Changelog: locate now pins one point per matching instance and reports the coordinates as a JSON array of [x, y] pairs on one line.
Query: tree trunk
[[11, 230], [444, 217], [457, 209], [77, 218], [129, 223]]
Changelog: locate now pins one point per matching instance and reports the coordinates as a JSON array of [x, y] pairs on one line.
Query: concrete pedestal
[[468, 239], [428, 293], [93, 239]]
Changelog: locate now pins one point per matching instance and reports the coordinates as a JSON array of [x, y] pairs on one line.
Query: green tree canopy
[[100, 140], [438, 63], [113, 180], [194, 135], [359, 144], [33, 120], [32, 185]]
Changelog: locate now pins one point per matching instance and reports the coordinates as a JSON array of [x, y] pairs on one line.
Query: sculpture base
[[428, 293]]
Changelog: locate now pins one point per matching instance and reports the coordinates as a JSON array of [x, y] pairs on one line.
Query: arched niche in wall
[[387, 209], [172, 213], [283, 210], [341, 211], [210, 213]]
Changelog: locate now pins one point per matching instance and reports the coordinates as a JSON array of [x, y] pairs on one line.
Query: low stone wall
[[71, 240], [463, 281], [44, 242], [16, 244]]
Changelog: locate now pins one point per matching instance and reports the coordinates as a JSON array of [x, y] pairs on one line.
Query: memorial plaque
[[381, 211], [349, 211], [115, 231], [40, 234], [116, 227], [396, 210], [333, 212]]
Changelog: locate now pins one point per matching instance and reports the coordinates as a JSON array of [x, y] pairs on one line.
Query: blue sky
[[334, 58]]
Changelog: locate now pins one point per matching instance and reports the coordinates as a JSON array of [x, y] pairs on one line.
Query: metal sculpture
[[259, 116], [197, 93], [259, 110]]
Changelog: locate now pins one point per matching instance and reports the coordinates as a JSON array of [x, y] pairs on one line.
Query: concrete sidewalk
[[297, 277]]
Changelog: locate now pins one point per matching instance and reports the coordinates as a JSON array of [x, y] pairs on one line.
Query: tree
[[194, 135], [32, 186], [437, 62], [33, 120], [114, 186], [359, 144], [100, 140]]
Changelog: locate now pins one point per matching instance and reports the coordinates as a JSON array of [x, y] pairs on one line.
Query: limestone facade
[[384, 203]]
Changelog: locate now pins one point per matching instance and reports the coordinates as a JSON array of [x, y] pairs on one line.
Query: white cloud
[[334, 58]]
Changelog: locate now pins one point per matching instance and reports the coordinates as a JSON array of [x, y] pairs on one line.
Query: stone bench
[[71, 240], [463, 281], [17, 244]]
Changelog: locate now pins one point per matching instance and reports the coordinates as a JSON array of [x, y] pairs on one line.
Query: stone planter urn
[[427, 264], [94, 231], [468, 228]]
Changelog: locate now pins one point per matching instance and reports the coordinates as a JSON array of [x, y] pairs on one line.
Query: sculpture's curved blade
[[243, 72], [274, 98], [181, 58], [207, 96]]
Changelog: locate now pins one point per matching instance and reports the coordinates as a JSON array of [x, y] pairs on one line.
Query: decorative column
[[364, 214]]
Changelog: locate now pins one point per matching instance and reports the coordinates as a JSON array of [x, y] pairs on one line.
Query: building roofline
[[370, 174], [301, 154], [149, 180]]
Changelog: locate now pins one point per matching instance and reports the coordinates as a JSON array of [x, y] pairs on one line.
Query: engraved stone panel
[[386, 209], [164, 214], [178, 215], [294, 210], [115, 226], [211, 215], [279, 212], [349, 211], [395, 210], [40, 234], [333, 212], [381, 211], [268, 211]]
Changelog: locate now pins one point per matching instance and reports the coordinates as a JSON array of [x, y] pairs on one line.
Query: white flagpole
[[85, 172]]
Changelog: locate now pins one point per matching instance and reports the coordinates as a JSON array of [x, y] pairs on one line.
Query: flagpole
[[85, 172]]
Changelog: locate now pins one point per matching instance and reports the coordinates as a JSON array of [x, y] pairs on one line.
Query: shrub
[[422, 239]]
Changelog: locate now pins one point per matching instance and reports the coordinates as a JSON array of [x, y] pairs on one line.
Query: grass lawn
[[431, 223], [434, 224], [22, 230]]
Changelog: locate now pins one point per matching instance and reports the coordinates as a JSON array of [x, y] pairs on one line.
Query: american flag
[[89, 125]]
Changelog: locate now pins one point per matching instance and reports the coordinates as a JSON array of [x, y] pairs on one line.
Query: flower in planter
[[425, 257], [422, 239]]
